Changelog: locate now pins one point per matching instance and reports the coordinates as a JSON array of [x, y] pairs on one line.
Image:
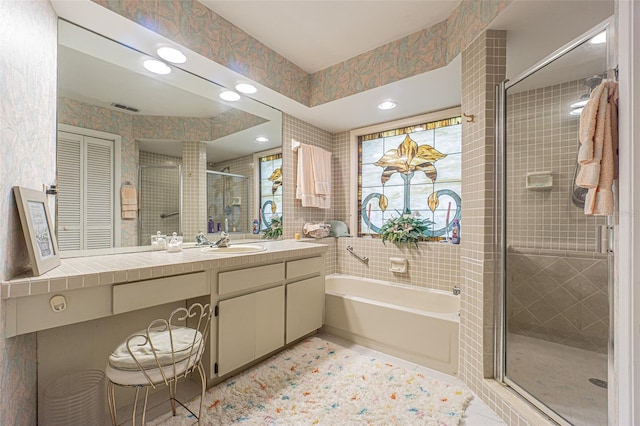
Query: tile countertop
[[80, 272]]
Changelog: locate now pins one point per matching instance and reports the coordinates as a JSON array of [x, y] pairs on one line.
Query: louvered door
[[70, 205], [85, 192]]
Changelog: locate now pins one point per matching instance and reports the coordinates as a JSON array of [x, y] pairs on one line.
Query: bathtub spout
[[456, 290]]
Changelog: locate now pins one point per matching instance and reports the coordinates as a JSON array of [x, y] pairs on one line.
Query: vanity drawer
[[250, 278], [35, 313], [303, 267], [144, 294]]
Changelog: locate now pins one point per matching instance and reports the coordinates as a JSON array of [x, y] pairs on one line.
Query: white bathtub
[[413, 323]]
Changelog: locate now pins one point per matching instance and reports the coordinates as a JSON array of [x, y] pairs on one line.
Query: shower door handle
[[604, 239]]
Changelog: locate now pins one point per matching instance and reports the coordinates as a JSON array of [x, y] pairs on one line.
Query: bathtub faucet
[[456, 290]]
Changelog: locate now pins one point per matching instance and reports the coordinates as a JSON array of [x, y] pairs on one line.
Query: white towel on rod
[[313, 183]]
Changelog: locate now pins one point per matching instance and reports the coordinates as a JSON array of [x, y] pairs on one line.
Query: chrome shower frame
[[500, 227]]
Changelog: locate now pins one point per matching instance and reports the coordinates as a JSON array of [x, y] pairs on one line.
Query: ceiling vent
[[126, 108]]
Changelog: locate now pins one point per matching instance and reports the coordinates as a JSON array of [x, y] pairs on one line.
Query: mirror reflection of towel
[[129, 202]]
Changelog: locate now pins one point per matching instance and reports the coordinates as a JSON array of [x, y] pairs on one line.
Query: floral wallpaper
[[27, 158], [203, 31]]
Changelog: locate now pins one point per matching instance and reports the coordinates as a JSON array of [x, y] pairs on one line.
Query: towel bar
[[363, 259]]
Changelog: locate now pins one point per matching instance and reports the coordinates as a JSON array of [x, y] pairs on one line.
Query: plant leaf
[[383, 202], [433, 201]]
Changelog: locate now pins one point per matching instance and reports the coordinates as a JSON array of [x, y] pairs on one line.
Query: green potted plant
[[274, 230], [407, 228]]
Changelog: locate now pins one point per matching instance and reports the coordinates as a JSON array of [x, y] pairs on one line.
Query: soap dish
[[398, 265], [539, 180]]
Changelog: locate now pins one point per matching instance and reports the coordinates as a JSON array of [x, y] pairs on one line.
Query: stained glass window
[[415, 170], [270, 188]]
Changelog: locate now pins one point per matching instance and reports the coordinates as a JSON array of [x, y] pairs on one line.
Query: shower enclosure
[[228, 201], [160, 195], [553, 325]]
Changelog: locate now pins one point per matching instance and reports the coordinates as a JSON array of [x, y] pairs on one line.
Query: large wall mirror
[[136, 150]]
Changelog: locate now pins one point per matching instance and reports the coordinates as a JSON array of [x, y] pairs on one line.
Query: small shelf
[[539, 180]]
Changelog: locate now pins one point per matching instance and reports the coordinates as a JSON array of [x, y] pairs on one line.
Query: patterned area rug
[[318, 382]]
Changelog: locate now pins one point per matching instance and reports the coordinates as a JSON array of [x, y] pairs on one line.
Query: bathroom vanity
[[82, 309]]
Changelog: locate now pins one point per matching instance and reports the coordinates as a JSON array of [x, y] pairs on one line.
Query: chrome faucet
[[223, 241], [456, 290], [202, 240]]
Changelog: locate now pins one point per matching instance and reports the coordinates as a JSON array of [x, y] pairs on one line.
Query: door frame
[[500, 239]]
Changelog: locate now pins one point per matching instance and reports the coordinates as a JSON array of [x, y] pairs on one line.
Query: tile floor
[[565, 385]]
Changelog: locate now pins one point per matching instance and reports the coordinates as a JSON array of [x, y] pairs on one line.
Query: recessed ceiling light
[[246, 88], [387, 105], [262, 139], [229, 95], [156, 67], [600, 38], [172, 55]]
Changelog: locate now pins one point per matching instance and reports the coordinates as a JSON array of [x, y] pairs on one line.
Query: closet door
[[85, 192], [98, 193], [70, 206]]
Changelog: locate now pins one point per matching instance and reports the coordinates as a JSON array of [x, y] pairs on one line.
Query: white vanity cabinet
[[305, 297], [250, 315], [263, 308]]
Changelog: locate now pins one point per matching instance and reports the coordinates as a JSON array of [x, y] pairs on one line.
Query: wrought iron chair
[[167, 350]]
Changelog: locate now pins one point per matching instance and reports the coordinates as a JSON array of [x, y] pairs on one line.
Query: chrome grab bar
[[165, 215], [363, 259]]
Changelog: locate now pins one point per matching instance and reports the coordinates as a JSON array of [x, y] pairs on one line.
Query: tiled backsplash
[[432, 265], [559, 296]]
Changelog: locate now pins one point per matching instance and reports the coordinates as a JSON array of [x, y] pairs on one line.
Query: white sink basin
[[237, 249]]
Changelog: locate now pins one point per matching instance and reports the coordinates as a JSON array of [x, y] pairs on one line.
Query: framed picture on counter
[[38, 230]]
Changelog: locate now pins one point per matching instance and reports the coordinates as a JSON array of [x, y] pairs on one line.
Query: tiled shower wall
[[483, 66], [556, 283], [159, 193], [543, 136]]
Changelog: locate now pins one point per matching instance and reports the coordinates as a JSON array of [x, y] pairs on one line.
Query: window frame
[[354, 214]]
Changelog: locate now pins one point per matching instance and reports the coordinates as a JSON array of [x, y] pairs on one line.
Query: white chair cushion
[[137, 377], [183, 341]]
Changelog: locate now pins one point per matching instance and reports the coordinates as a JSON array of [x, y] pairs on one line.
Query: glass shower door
[[556, 280], [160, 193]]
